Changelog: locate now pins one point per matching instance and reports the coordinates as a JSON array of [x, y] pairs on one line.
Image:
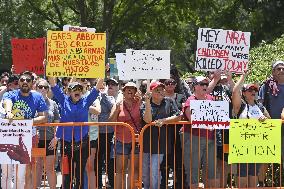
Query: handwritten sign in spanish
[[120, 61], [76, 54], [28, 55], [252, 141], [206, 114], [219, 49], [78, 29], [147, 64], [15, 141]]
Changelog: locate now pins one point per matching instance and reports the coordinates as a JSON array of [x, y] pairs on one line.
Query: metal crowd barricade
[[41, 153], [230, 180]]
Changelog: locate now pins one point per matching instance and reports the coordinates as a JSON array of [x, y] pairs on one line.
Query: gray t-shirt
[[276, 102], [53, 114]]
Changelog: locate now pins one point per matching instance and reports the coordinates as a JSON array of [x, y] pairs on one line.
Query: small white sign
[[147, 64], [15, 141], [219, 49], [207, 114], [78, 29], [120, 61]]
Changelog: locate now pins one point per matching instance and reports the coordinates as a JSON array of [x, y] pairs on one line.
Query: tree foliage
[[261, 59], [143, 24]]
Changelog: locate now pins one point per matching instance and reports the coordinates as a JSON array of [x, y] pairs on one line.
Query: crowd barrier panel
[[41, 152], [219, 182]]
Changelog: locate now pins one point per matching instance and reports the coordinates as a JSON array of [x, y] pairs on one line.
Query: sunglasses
[[28, 80], [43, 87], [83, 79], [170, 83], [203, 84], [77, 89]]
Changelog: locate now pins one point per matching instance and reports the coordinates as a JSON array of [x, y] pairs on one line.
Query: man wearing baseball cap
[[161, 111]]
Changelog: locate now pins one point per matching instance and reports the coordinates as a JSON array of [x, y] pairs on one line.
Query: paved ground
[[59, 182]]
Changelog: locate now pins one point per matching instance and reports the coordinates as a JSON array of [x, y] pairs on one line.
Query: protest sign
[[222, 49], [252, 141], [120, 61], [15, 141], [76, 54], [112, 67], [206, 114], [28, 55], [147, 64], [78, 29]]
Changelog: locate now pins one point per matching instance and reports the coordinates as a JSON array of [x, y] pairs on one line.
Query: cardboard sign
[[112, 67], [28, 55], [15, 141], [78, 29], [207, 114], [219, 49], [76, 54], [147, 64], [252, 141], [120, 61]]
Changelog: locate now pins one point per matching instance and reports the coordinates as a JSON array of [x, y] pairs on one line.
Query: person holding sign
[[161, 111], [127, 111], [75, 139], [24, 104], [246, 107], [198, 141]]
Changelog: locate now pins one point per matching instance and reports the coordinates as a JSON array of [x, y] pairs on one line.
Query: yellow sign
[[252, 141], [76, 54]]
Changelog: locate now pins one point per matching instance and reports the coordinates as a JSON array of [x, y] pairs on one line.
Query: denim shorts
[[124, 148]]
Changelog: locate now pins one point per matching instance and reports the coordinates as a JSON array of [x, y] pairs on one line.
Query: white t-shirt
[[251, 112]]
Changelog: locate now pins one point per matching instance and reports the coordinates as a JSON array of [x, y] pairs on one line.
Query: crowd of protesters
[[92, 152]]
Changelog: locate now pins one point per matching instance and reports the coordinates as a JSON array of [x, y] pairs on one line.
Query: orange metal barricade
[[41, 152], [220, 179]]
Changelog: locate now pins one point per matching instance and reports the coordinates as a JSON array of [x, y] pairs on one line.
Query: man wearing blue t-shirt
[[24, 104]]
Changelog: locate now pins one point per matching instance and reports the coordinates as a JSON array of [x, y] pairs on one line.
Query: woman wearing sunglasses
[[127, 111], [47, 137], [246, 107], [74, 108]]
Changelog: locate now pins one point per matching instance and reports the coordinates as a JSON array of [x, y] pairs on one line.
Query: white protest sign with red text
[[219, 49]]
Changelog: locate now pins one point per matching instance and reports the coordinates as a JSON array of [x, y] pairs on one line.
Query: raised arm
[[236, 96], [214, 81], [147, 117], [230, 81], [95, 92], [56, 90]]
